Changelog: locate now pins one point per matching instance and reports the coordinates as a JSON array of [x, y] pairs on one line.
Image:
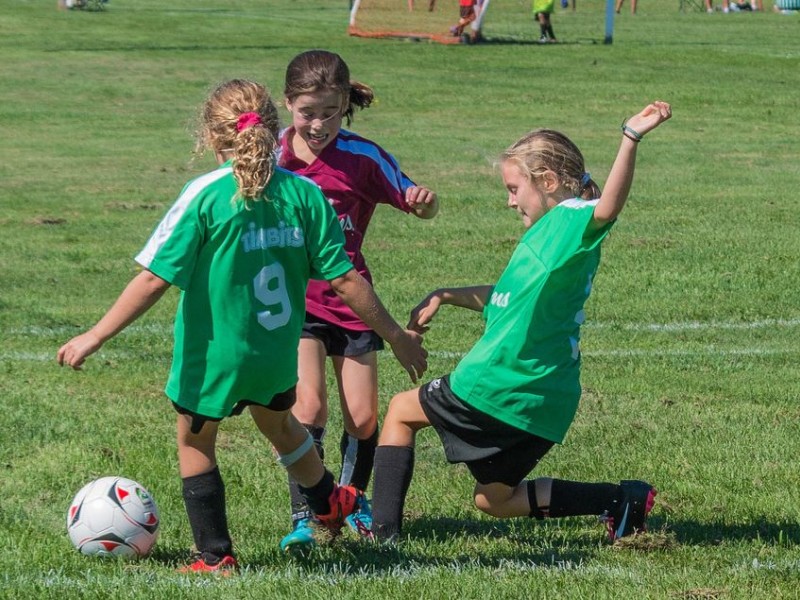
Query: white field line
[[700, 351], [697, 325], [162, 329], [703, 351], [676, 327]]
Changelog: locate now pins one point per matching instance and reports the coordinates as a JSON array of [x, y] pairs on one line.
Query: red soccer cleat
[[227, 565], [343, 501]]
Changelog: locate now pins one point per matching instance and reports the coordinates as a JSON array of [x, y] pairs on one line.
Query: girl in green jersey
[[241, 242], [516, 391]]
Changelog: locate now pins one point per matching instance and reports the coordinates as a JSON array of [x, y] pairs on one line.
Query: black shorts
[[279, 402], [339, 341], [493, 451]]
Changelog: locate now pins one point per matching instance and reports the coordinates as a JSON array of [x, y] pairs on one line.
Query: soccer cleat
[[343, 501], [629, 516], [301, 538], [360, 520], [223, 567]]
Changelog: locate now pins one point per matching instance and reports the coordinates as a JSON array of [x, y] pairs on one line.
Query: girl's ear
[[550, 182], [288, 104]]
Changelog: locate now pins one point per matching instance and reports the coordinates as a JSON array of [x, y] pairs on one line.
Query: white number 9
[[270, 290]]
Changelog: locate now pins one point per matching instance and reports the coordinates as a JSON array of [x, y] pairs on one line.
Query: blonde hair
[[544, 150], [319, 70], [253, 146]]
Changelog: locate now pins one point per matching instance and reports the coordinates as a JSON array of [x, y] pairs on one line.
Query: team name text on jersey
[[500, 299], [282, 236]]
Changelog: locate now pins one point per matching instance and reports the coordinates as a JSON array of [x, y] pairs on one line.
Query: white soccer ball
[[113, 516]]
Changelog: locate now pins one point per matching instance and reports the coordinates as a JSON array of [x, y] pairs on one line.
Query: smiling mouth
[[317, 138]]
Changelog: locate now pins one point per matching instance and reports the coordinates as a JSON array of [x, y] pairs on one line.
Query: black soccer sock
[[317, 496], [358, 457], [571, 498], [394, 467], [549, 31], [204, 497], [300, 509], [543, 29], [536, 512]]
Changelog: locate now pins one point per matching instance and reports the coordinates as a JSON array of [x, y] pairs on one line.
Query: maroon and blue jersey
[[355, 175]]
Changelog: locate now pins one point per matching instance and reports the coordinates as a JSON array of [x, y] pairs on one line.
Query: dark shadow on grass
[[510, 41], [437, 528], [443, 545], [367, 558], [762, 530]]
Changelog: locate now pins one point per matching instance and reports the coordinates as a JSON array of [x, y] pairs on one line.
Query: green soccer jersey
[[525, 368], [242, 269]]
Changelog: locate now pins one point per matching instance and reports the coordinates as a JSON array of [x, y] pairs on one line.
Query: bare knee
[[497, 500], [362, 425], [403, 419], [276, 426], [488, 505]]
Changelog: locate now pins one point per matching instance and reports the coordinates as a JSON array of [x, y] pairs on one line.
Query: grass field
[[691, 348]]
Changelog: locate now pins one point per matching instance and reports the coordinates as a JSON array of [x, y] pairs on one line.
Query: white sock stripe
[[287, 460], [349, 460]]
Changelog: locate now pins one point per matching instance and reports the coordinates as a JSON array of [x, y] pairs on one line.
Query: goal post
[[415, 19], [435, 20]]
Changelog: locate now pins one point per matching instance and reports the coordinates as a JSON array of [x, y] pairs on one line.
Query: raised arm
[[474, 298], [358, 294], [141, 293], [615, 192]]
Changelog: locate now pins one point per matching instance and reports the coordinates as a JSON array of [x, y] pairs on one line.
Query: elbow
[[340, 285], [603, 217], [155, 284]]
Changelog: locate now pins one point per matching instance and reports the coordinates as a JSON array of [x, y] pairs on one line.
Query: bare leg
[[358, 391], [504, 501], [196, 451], [357, 377], [311, 407], [287, 435], [403, 419]]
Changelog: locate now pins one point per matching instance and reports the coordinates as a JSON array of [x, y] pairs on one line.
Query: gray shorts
[[339, 341]]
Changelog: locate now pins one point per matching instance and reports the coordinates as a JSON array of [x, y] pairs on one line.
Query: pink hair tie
[[248, 119]]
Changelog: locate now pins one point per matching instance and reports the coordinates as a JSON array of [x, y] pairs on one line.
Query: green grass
[[690, 351]]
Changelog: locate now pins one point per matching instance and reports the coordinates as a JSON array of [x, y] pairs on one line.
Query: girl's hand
[[423, 313], [651, 117], [75, 351], [409, 351], [422, 201]]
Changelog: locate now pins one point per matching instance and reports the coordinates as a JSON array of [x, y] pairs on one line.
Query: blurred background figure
[[620, 3]]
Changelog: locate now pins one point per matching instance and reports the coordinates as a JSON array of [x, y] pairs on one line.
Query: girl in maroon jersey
[[356, 175]]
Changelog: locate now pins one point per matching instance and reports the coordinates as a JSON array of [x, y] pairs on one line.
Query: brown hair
[[547, 150], [318, 70], [254, 146]]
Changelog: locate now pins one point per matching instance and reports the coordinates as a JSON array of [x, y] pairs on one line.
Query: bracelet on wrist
[[631, 138], [631, 133]]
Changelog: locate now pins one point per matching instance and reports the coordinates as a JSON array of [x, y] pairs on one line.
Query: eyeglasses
[[308, 117]]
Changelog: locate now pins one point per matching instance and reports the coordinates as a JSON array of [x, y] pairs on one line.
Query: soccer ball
[[113, 516]]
